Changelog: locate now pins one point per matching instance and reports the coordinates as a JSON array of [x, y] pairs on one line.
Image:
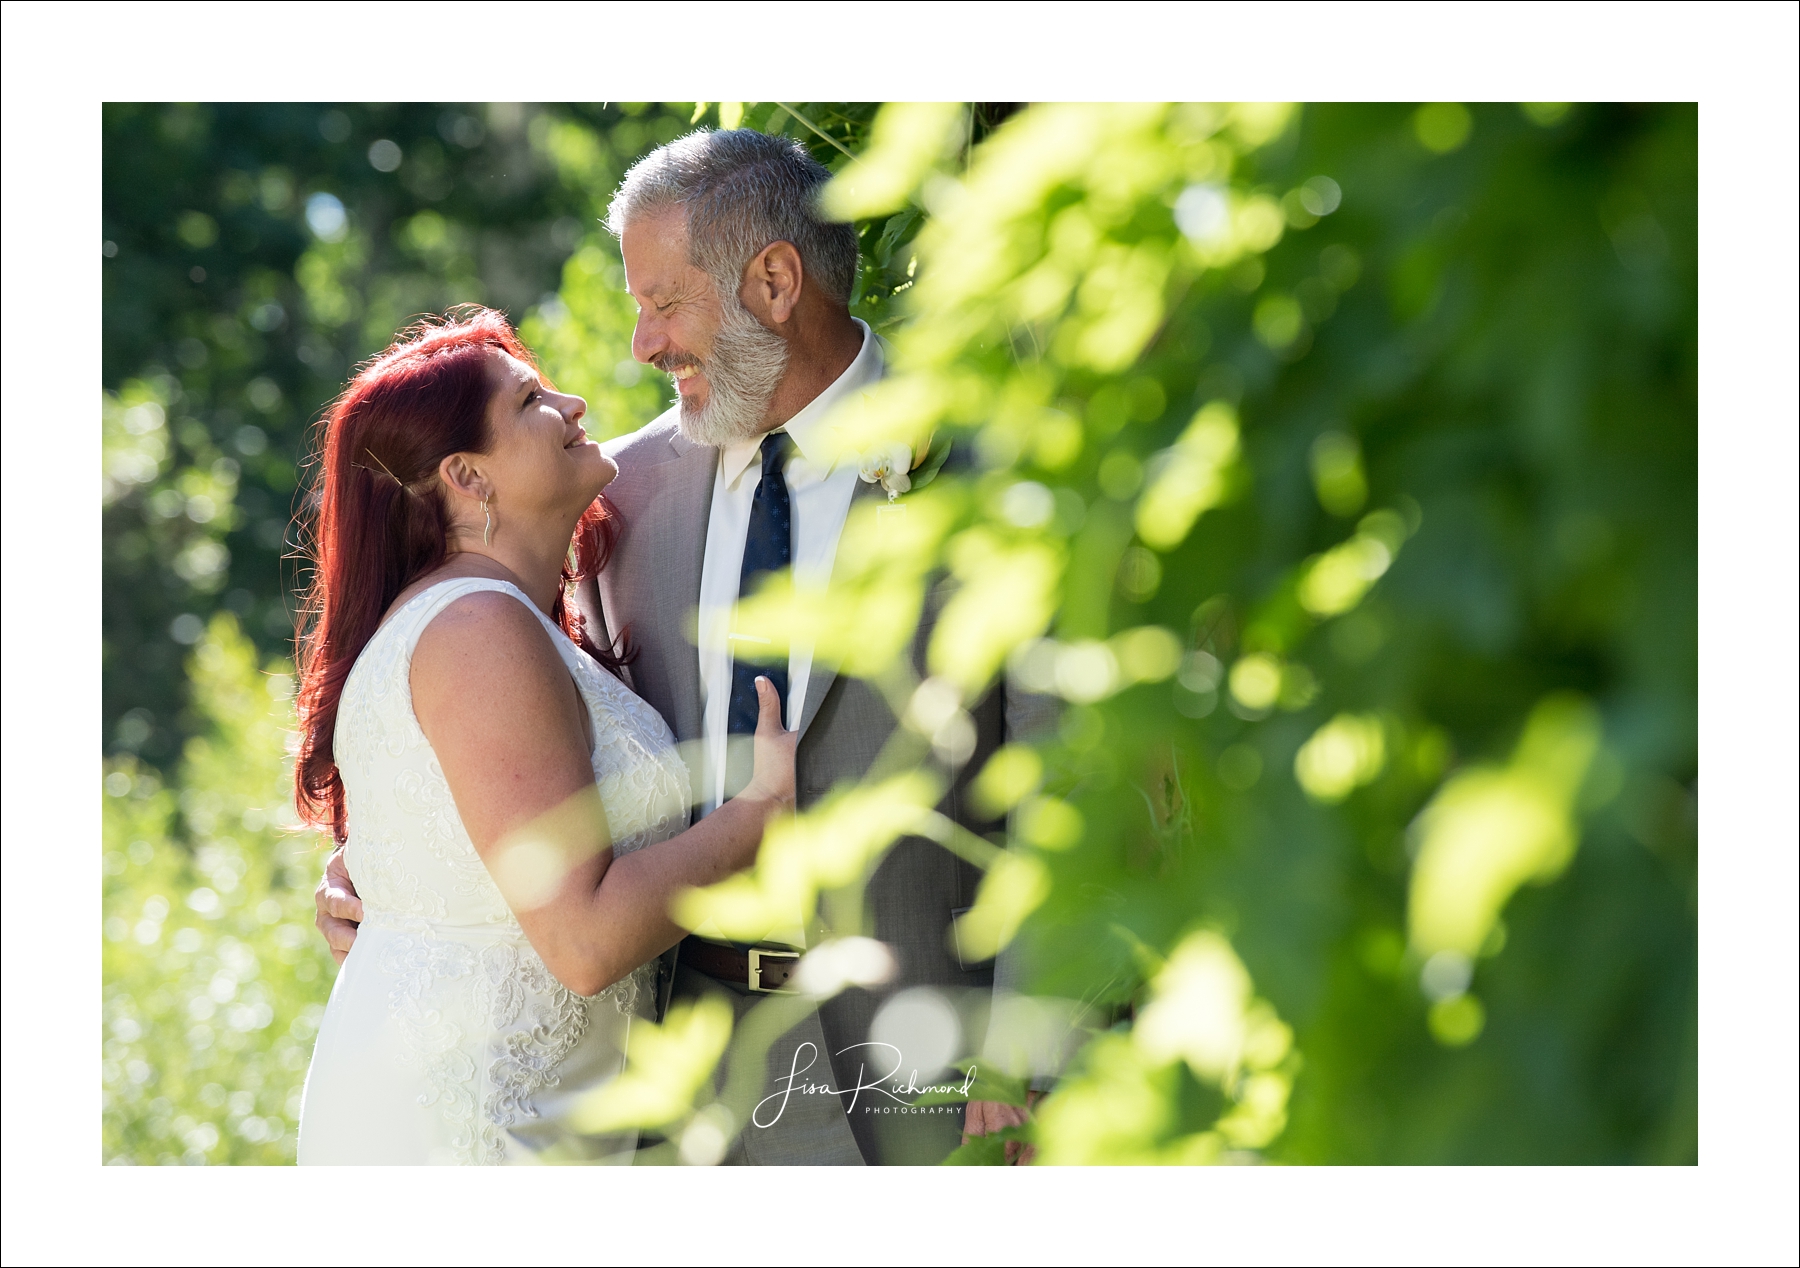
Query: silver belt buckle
[[756, 956]]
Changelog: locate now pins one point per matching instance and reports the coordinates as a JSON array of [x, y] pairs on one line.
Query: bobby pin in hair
[[384, 468]]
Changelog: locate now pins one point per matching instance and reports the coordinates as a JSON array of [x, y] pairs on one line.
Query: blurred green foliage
[[253, 254], [214, 978], [1334, 468]]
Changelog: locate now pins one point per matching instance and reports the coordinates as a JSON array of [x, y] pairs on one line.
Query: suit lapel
[[825, 672], [655, 583], [689, 496]]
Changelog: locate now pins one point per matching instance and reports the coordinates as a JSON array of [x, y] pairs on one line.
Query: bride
[[513, 816]]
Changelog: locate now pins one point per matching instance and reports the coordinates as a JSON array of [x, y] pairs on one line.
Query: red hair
[[383, 522]]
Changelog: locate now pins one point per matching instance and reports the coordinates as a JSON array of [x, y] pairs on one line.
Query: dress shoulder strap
[[409, 623]]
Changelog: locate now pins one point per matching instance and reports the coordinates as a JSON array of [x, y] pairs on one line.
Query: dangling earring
[[487, 532]]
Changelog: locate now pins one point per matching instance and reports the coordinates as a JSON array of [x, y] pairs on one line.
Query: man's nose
[[647, 339]]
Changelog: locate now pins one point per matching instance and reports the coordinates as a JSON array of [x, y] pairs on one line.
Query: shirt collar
[[804, 427]]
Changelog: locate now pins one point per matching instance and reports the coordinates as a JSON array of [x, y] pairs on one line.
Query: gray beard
[[746, 366]]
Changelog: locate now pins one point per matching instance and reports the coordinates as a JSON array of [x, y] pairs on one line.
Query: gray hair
[[741, 190]]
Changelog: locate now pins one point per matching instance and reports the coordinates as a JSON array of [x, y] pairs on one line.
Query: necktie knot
[[776, 446]]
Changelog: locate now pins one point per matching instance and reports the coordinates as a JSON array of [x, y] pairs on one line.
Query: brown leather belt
[[763, 969]]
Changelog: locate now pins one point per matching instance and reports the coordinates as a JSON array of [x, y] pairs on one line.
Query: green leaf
[[927, 471], [988, 1150], [981, 1151], [992, 1085]]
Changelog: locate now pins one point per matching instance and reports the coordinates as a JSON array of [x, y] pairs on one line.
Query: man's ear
[[775, 278], [461, 477]]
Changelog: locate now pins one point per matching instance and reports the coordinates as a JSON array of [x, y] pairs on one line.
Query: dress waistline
[[485, 931]]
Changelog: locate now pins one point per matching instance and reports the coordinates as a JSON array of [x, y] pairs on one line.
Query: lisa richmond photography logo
[[888, 1092]]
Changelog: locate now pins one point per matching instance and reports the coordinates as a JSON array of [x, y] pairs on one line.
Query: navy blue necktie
[[768, 546]]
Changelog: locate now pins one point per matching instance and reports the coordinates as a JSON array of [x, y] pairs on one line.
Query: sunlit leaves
[[1198, 1009], [833, 844], [1088, 670], [1457, 1020], [867, 616], [667, 1067], [134, 440], [907, 140], [1257, 123], [1223, 225], [1013, 888], [992, 228], [1049, 823], [1119, 306], [1011, 773], [1148, 653], [1337, 580], [1342, 755], [1124, 1104], [214, 976], [1118, 1110], [1191, 478], [1491, 829], [901, 409], [1007, 595]]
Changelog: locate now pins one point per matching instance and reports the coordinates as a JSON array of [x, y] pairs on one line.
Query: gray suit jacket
[[649, 592]]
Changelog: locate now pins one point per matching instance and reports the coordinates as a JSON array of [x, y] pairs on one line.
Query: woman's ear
[[460, 477]]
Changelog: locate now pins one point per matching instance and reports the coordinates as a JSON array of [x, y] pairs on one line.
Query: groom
[[743, 296]]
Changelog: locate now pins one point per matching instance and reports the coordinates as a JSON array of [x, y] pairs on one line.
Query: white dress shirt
[[819, 493]]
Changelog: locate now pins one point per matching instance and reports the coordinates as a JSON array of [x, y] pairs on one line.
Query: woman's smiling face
[[540, 459]]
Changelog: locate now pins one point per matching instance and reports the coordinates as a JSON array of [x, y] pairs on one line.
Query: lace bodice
[[408, 851], [445, 1031]]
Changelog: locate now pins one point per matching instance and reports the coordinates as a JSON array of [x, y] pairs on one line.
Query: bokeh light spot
[[1442, 126], [1321, 196], [922, 1025], [1240, 766], [1028, 504], [384, 155], [1457, 1022], [1012, 773], [326, 217], [1278, 320], [1050, 823], [1203, 213], [1344, 754], [1256, 681], [1338, 473]]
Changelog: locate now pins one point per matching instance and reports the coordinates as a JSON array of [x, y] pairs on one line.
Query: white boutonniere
[[890, 466], [897, 469]]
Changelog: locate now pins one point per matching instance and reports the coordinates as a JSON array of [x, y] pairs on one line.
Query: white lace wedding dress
[[446, 1040]]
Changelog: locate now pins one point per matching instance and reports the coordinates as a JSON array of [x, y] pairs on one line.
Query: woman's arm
[[507, 725]]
